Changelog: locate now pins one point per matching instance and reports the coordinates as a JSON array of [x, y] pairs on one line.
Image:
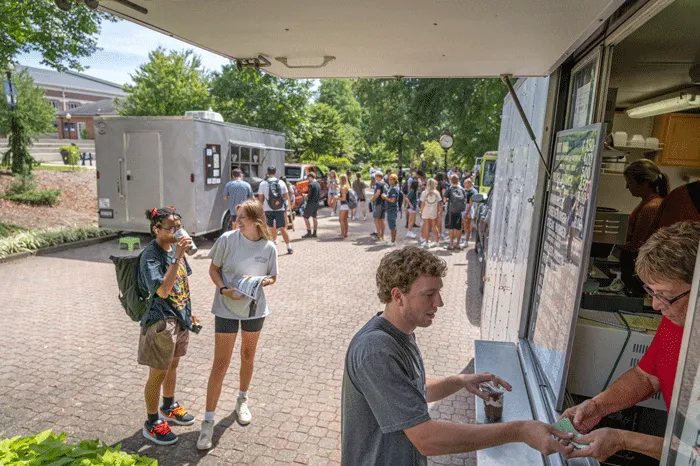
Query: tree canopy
[[62, 37], [169, 84]]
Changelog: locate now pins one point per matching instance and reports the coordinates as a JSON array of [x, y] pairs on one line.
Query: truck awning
[[258, 145], [380, 38]]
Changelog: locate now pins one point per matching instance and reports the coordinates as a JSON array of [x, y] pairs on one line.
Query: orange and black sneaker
[[176, 414], [159, 433]]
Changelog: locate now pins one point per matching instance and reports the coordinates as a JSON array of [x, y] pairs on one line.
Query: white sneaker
[[365, 218], [462, 245], [424, 245], [275, 241], [242, 411], [205, 435], [434, 245], [392, 243]]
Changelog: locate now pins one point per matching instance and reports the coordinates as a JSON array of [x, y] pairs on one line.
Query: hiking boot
[[308, 235], [242, 411], [159, 433], [205, 435], [314, 235], [176, 414]]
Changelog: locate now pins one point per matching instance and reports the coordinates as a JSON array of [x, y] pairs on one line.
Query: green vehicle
[[485, 171]]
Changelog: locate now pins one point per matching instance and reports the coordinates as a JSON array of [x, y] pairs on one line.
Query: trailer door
[[143, 174]]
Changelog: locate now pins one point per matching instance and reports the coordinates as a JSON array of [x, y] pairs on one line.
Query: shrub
[[48, 448], [28, 241], [73, 154], [9, 229], [48, 197], [335, 163], [22, 183]]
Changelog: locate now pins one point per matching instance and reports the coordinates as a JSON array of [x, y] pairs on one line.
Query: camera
[[196, 328]]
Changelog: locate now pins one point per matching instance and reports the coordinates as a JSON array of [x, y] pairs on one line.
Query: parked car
[[481, 225], [297, 173]]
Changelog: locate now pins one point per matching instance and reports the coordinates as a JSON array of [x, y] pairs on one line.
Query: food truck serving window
[[565, 249], [248, 159]]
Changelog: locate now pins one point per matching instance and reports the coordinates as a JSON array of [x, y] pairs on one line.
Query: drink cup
[[493, 406], [181, 233]]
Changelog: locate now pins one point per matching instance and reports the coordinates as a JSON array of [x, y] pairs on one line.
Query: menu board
[[212, 160], [566, 243], [682, 440]]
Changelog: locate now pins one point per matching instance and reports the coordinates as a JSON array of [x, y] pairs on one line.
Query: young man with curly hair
[[385, 418]]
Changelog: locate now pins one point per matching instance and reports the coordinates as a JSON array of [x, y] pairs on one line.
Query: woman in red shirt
[[665, 264]]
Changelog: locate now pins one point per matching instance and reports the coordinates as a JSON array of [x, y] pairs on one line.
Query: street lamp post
[[68, 116], [446, 141]]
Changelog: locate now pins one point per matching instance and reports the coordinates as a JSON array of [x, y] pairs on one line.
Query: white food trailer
[[588, 69], [185, 162]]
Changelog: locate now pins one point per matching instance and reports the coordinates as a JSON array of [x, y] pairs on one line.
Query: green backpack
[[134, 300]]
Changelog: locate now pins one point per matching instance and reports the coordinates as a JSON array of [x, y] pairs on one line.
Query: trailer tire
[[224, 224]]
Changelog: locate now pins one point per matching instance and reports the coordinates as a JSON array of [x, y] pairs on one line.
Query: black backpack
[[351, 199], [274, 197], [457, 200], [134, 300]]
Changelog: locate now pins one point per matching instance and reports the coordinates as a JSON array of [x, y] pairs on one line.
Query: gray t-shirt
[[384, 392], [238, 256]]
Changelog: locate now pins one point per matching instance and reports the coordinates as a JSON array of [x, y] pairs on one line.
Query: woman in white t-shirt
[[430, 203], [243, 252]]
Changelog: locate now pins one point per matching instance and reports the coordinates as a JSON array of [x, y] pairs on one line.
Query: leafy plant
[[73, 154], [8, 229], [47, 448], [47, 197], [61, 168], [23, 183], [27, 241], [334, 163]]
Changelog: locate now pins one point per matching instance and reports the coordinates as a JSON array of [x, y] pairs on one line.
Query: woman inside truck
[[665, 264], [646, 181]]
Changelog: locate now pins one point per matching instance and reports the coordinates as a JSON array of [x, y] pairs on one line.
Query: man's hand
[[232, 294], [538, 435], [267, 281], [470, 382], [183, 244], [584, 416], [603, 443]]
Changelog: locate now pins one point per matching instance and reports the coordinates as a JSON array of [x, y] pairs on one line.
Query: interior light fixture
[[677, 103]]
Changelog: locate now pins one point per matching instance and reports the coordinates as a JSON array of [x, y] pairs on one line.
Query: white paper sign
[[105, 203]]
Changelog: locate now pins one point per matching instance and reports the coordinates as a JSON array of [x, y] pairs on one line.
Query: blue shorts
[[275, 216], [379, 212], [391, 218]]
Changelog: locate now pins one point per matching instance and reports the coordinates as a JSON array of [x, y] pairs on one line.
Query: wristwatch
[[221, 290]]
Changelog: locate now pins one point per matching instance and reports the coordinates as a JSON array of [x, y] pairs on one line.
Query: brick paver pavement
[[68, 351]]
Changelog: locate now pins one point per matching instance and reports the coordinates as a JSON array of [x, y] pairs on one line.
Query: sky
[[125, 47]]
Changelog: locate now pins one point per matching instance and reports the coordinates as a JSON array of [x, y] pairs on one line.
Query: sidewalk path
[[68, 352]]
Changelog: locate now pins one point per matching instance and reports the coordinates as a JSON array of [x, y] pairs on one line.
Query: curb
[[59, 247]]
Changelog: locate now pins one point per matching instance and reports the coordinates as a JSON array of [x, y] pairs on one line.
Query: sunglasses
[[664, 299]]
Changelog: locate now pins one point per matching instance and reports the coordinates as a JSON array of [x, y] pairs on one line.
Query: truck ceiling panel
[[375, 38]]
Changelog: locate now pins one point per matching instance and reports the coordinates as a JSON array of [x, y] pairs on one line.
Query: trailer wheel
[[225, 223]]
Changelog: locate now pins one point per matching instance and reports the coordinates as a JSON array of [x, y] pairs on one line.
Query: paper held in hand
[[249, 286]]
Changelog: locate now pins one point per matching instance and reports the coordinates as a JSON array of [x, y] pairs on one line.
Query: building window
[[54, 104], [68, 127], [73, 105], [248, 159]]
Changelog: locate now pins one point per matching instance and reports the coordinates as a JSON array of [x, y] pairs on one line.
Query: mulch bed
[[77, 203]]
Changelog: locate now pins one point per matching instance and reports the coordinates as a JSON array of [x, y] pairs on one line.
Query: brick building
[[81, 119], [68, 90]]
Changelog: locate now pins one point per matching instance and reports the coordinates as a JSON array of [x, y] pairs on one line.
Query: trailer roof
[[381, 38]]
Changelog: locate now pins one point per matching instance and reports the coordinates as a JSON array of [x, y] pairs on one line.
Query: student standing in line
[[246, 251], [165, 326], [237, 191], [392, 205], [313, 198], [411, 202], [379, 205], [430, 202], [333, 191], [272, 193], [344, 209], [469, 212], [359, 187], [455, 199]]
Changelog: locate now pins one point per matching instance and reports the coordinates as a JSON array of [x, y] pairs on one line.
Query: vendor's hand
[[584, 416], [267, 281], [195, 319], [232, 294], [538, 435], [602, 444], [470, 382], [183, 244]]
